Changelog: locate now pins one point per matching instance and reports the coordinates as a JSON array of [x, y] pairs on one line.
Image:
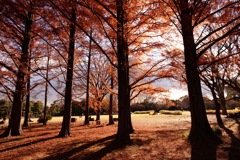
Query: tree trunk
[[14, 126], [123, 137], [46, 94], [65, 130], [223, 103], [200, 128], [98, 114], [26, 115], [86, 122], [220, 91], [110, 110], [218, 115]]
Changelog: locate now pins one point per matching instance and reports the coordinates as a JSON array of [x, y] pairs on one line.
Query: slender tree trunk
[[65, 130], [86, 122], [14, 127], [110, 109], [26, 115], [200, 128], [46, 94], [218, 115], [222, 101], [98, 114], [123, 137]]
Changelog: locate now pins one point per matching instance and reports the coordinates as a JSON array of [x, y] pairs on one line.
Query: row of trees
[[37, 107], [149, 103], [35, 110], [118, 47]]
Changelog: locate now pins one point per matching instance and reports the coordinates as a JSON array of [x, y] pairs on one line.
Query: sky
[[176, 93]]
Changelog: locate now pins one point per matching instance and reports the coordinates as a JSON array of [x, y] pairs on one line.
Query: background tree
[[37, 108], [56, 109], [5, 107], [65, 130], [110, 109], [46, 92], [27, 108], [18, 13]]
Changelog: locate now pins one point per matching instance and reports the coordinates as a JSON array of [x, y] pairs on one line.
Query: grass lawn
[[156, 137]]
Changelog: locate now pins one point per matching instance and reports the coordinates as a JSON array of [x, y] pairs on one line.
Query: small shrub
[[73, 119], [41, 118], [210, 111], [171, 112], [152, 113], [143, 112], [233, 113]]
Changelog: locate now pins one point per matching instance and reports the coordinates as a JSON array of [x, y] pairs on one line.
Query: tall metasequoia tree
[[190, 16], [123, 136], [65, 130], [131, 35], [46, 92], [124, 85], [14, 126], [200, 128], [110, 109], [86, 121]]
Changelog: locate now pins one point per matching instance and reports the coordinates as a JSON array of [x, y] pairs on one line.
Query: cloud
[[175, 93]]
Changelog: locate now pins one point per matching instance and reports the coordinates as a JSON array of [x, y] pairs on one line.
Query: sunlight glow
[[176, 93]]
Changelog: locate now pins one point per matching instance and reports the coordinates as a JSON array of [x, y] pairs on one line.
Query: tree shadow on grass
[[234, 151], [19, 138], [28, 144], [40, 129], [96, 155], [101, 153]]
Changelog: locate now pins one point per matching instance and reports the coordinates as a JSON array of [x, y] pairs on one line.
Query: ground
[[156, 137]]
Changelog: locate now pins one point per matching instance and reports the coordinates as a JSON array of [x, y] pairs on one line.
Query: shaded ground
[[156, 137]]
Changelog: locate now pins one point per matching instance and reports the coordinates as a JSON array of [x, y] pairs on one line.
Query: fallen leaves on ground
[[155, 137]]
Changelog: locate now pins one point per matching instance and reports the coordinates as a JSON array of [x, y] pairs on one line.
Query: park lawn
[[156, 137]]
